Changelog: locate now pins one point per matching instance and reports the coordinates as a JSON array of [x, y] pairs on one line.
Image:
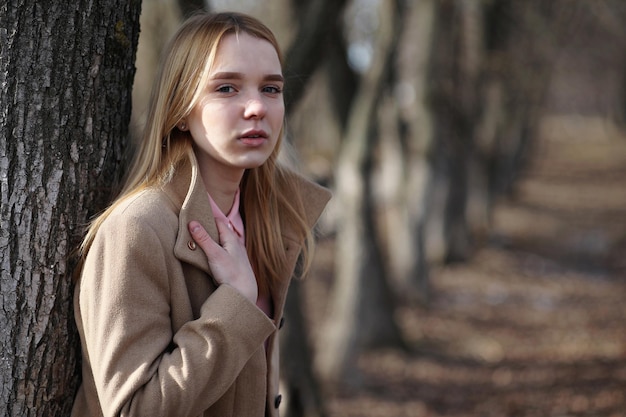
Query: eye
[[272, 89], [226, 88]]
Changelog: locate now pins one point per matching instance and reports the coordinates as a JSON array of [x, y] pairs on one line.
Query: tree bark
[[361, 314], [66, 72]]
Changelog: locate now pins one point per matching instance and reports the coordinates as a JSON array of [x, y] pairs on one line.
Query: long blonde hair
[[266, 191]]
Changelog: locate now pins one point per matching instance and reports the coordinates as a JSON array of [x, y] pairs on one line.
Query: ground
[[535, 323]]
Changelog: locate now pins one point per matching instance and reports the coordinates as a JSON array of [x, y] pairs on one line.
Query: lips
[[254, 134], [254, 137]]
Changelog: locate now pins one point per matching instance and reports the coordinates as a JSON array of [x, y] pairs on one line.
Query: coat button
[[278, 400], [191, 245], [282, 323]]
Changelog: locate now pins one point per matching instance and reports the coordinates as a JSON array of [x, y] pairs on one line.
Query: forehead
[[242, 52]]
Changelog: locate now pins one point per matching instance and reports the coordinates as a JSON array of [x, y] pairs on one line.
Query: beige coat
[[158, 337]]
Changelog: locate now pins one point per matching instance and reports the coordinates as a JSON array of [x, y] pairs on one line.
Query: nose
[[255, 108]]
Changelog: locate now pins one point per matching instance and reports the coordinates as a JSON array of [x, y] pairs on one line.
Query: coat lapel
[[188, 189], [188, 192], [315, 198]]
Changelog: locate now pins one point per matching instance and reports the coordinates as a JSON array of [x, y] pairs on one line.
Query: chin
[[253, 161], [249, 163]]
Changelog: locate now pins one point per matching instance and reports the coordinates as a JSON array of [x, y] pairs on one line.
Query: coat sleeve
[[140, 366]]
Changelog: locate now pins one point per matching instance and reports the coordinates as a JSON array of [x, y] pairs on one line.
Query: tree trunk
[[189, 7], [361, 313], [343, 81], [66, 72], [409, 209], [303, 57], [517, 69], [455, 69], [317, 19], [304, 397]]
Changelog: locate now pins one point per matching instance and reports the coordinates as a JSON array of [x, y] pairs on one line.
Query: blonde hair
[[266, 191]]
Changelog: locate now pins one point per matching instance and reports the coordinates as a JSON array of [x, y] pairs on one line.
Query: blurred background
[[473, 259]]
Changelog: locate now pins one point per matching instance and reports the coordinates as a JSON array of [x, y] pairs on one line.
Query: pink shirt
[[233, 218]]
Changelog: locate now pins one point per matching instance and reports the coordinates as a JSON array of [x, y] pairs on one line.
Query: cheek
[[207, 122], [278, 115]]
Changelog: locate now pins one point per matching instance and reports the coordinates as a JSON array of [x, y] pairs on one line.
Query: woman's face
[[236, 123]]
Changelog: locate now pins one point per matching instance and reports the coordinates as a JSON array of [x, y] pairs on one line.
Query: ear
[[182, 126]]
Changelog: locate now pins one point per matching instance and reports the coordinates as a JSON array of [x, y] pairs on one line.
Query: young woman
[[184, 277]]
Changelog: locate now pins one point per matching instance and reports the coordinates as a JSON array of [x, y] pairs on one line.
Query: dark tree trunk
[[455, 69], [66, 73], [361, 314], [304, 398], [317, 19], [519, 58], [189, 7], [343, 81], [303, 57]]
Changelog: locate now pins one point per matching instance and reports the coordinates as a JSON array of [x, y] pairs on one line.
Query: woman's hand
[[228, 260]]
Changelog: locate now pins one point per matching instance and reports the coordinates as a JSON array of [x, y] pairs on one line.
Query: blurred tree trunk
[[159, 20], [406, 222], [305, 55], [524, 40], [455, 68], [304, 397], [343, 81], [361, 314], [66, 72], [189, 7], [316, 21], [490, 75]]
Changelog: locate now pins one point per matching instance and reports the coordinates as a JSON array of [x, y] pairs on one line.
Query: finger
[[201, 237], [226, 233]]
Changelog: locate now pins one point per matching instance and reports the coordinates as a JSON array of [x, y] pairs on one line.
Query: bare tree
[[304, 395], [455, 67], [490, 72], [361, 312], [66, 72], [304, 56], [316, 22], [521, 47], [411, 120]]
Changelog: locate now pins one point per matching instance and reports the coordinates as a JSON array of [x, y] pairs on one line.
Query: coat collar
[[187, 191]]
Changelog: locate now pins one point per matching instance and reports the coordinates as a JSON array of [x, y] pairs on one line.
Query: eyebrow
[[239, 75]]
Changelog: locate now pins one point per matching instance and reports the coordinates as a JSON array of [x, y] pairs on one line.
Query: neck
[[220, 183], [223, 195], [222, 191]]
